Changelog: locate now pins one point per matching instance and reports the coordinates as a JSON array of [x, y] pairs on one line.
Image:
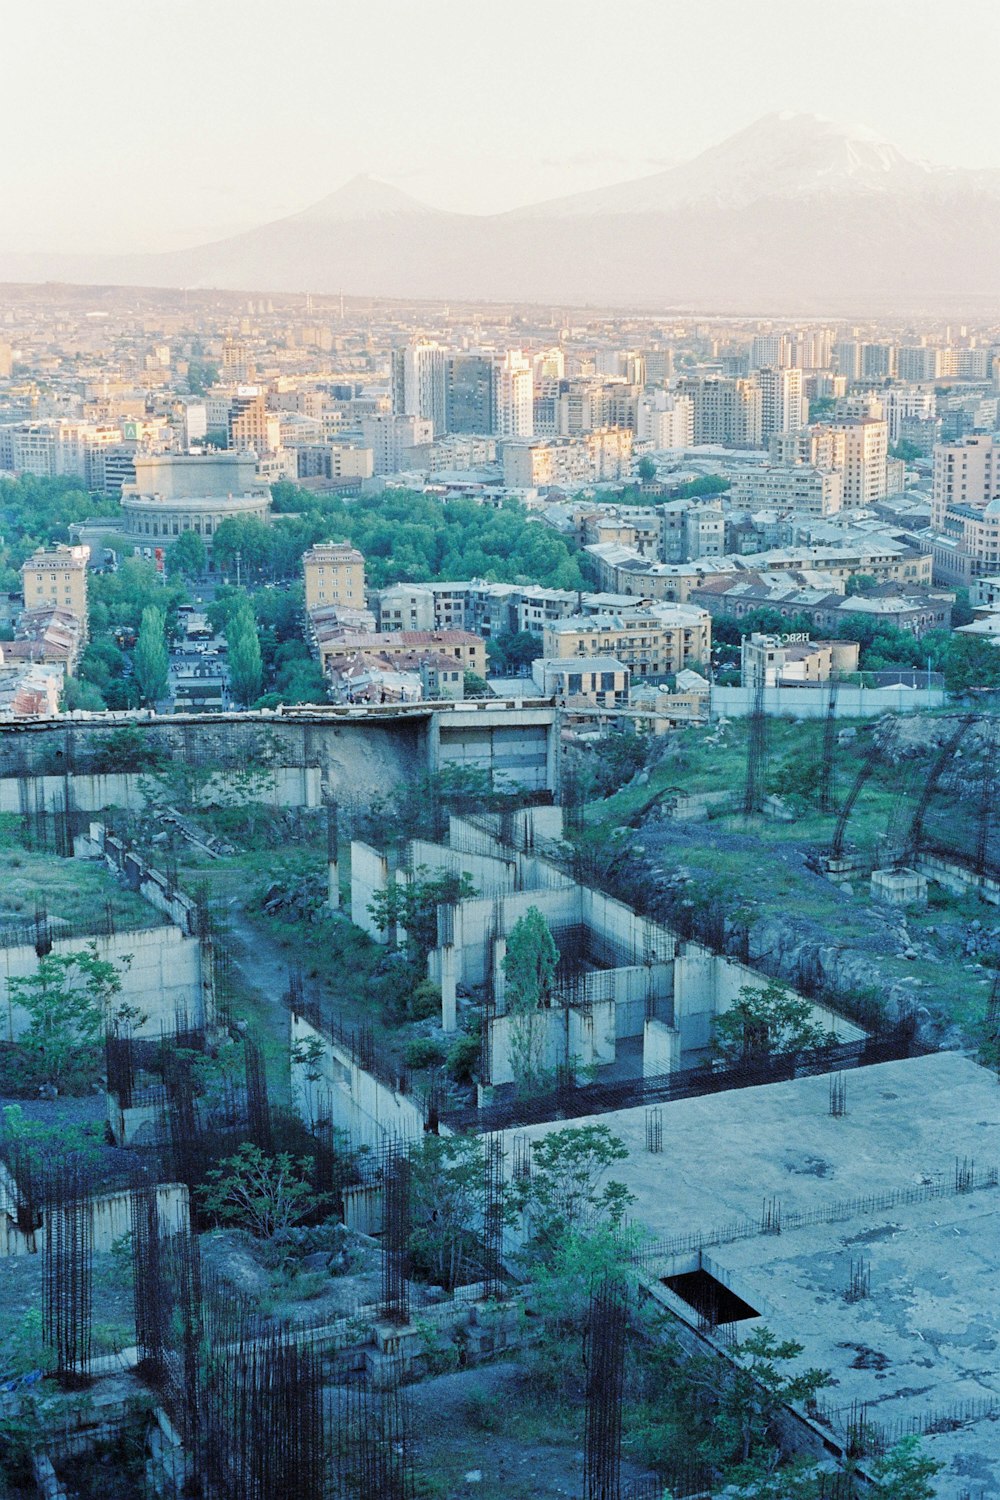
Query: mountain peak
[[363, 197], [781, 155]]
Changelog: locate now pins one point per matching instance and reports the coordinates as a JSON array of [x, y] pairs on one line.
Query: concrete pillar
[[499, 977], [333, 885], [553, 746], [449, 1007], [661, 1049]]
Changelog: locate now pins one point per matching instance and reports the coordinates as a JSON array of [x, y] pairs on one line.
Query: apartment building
[[334, 573], [467, 649], [583, 681], [783, 407], [56, 578], [798, 487], [726, 411], [653, 642]]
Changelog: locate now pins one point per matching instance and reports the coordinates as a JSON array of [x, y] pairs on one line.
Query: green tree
[[151, 662], [907, 451], [413, 905], [860, 583], [266, 1195], [446, 1196], [530, 962], [746, 1397], [246, 667], [512, 650], [69, 1000], [969, 662], [772, 1022], [475, 686], [905, 1473], [567, 1193], [558, 1293], [530, 969], [647, 469], [187, 556], [82, 695]]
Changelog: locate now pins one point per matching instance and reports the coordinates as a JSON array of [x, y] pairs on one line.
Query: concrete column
[[553, 747], [333, 885], [660, 1049], [449, 1007], [499, 977]]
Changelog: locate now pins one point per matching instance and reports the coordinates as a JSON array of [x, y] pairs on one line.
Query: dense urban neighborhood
[[499, 767]]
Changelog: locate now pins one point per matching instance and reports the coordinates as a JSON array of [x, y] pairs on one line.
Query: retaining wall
[[367, 1110], [165, 981], [111, 1216]]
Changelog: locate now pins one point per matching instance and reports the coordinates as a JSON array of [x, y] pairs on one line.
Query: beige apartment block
[[334, 574], [57, 579], [651, 643]]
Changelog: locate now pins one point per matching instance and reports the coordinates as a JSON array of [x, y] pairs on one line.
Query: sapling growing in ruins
[[772, 1022]]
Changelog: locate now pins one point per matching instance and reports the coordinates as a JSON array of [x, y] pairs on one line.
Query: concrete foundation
[[899, 887]]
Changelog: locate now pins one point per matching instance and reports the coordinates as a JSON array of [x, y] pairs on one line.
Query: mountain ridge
[[791, 213]]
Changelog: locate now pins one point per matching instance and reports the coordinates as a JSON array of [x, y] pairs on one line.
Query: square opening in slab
[[709, 1298]]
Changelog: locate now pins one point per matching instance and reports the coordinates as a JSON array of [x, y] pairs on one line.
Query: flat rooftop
[[877, 1187]]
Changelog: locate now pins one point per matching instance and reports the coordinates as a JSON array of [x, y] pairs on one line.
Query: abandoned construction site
[[386, 1113]]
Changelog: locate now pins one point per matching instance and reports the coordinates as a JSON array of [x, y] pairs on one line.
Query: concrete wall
[[958, 878], [361, 752], [287, 786], [111, 1218], [853, 702], [473, 921], [707, 985], [566, 1035], [612, 920], [489, 874], [661, 1049], [165, 980], [532, 827], [367, 1110]]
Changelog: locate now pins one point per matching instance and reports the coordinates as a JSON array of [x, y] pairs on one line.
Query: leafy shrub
[[463, 1058], [424, 1052]]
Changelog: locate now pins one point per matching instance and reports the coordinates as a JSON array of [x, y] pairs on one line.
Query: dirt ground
[[480, 1436]]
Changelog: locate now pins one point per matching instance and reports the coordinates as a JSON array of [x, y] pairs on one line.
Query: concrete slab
[[876, 1186]]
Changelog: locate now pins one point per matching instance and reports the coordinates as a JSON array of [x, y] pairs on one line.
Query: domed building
[[174, 493]]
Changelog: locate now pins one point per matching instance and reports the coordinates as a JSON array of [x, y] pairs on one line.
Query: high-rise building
[[726, 411], [782, 407], [866, 443], [389, 436], [902, 402], [916, 362], [665, 421], [420, 385], [768, 350], [878, 361], [847, 357], [513, 392], [237, 363], [965, 473], [469, 393]]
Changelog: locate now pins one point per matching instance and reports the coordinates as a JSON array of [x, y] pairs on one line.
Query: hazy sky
[[149, 124]]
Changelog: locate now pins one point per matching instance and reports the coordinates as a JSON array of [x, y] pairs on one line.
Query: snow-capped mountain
[[778, 156], [792, 214]]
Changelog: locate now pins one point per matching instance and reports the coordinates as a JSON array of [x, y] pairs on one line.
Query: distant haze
[[172, 123], [793, 214]]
